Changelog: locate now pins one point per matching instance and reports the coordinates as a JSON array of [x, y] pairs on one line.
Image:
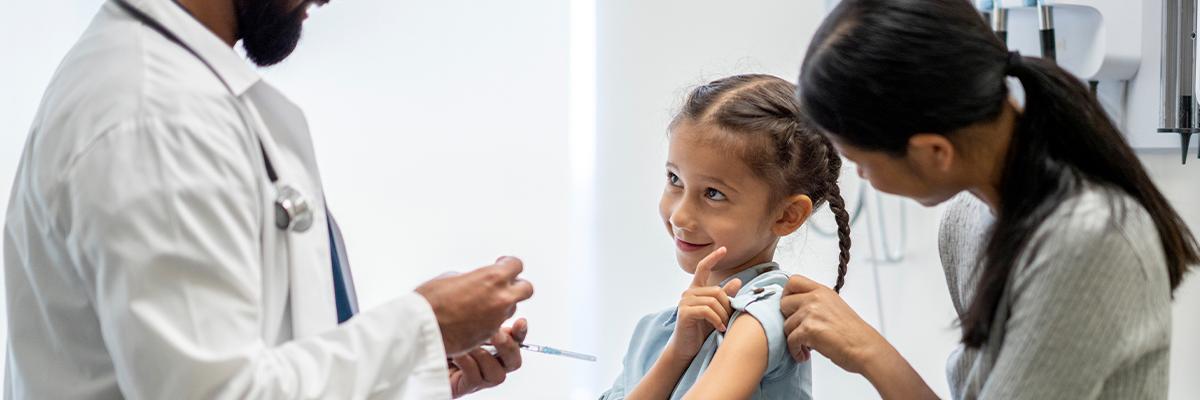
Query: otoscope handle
[[1049, 48]]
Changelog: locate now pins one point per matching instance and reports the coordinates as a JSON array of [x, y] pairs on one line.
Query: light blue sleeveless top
[[763, 287]]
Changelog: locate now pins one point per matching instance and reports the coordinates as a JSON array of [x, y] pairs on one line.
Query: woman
[[1061, 257]]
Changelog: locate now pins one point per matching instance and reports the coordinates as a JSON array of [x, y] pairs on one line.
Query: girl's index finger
[[704, 267]]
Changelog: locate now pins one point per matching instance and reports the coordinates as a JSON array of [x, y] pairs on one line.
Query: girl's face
[[713, 199]]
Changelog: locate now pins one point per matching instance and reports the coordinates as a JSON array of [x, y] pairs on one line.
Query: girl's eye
[[673, 179], [714, 194]]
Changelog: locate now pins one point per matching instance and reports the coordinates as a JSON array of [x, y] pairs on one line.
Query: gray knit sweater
[[1088, 316]]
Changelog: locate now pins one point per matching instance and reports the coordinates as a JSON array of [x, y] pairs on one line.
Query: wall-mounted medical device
[[1178, 107], [1139, 56]]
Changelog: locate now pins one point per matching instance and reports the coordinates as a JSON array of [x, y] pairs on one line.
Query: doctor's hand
[[470, 307], [478, 369]]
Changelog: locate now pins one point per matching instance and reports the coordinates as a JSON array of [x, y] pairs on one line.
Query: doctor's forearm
[[894, 378]]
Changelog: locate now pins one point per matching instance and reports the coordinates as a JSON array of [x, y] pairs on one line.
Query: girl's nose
[[682, 217]]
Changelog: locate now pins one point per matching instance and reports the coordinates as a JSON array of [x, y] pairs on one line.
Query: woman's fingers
[[797, 341], [805, 353], [800, 284], [802, 312], [798, 307], [792, 303]]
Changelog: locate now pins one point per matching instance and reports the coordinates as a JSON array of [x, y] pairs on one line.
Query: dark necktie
[[343, 282]]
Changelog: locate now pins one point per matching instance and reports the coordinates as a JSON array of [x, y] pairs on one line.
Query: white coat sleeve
[[162, 221]]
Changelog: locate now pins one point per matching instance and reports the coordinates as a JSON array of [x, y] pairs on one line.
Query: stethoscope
[[292, 210]]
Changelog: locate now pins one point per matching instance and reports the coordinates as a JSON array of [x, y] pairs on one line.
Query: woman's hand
[[818, 319], [702, 309]]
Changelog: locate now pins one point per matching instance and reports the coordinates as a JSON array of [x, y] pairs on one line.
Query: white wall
[[441, 130]]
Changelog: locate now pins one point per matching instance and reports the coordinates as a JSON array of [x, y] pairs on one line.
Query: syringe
[[547, 350]]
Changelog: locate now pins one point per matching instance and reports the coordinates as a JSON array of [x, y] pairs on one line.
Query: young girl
[[744, 169]]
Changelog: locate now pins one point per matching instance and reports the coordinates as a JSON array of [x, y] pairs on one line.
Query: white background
[[450, 132]]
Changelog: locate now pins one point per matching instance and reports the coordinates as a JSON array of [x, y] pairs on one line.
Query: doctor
[[167, 236]]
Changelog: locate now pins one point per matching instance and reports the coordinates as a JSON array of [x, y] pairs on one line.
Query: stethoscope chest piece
[[292, 211]]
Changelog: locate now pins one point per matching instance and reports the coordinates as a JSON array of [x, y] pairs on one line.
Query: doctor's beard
[[269, 29]]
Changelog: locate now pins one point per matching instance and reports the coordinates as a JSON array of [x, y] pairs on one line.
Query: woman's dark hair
[[880, 71], [770, 133]]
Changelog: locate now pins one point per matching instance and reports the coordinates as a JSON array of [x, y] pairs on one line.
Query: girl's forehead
[[698, 154]]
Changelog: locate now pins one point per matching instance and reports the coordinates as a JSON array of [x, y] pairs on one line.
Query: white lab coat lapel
[[286, 140], [304, 257]]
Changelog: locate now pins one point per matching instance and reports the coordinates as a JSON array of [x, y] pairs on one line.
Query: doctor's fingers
[[518, 330], [504, 276], [469, 369], [508, 267], [508, 350], [520, 290], [490, 370]]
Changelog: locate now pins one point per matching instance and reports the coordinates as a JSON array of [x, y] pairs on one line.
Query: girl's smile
[[689, 247]]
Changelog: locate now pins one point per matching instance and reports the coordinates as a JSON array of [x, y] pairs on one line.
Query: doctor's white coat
[[140, 253]]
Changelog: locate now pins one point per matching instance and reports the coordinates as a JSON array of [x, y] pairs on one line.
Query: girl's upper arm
[[738, 366]]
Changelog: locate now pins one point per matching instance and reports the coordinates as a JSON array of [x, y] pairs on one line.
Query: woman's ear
[[931, 152], [796, 210]]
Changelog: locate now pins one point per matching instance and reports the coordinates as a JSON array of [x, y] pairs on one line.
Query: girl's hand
[[702, 309], [818, 318]]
